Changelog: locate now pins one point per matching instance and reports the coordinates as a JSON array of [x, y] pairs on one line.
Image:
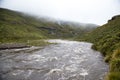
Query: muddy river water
[[66, 60]]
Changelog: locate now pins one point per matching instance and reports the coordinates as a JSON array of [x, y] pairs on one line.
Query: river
[[66, 60]]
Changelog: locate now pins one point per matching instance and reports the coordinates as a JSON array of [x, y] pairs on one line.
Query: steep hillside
[[107, 40], [16, 26]]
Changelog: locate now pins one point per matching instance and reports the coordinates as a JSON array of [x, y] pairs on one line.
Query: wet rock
[[12, 46]]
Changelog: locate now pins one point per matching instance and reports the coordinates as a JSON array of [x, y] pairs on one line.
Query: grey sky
[[85, 11]]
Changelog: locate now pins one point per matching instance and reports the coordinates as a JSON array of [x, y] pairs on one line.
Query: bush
[[116, 54], [115, 65], [113, 76]]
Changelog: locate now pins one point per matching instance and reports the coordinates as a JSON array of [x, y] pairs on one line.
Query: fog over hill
[[84, 11], [77, 24]]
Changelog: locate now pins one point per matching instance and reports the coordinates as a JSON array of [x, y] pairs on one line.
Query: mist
[[83, 11]]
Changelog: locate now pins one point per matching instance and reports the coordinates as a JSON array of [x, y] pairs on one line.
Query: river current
[[66, 60]]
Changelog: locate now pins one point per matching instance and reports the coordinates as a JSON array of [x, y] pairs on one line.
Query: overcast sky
[[85, 11]]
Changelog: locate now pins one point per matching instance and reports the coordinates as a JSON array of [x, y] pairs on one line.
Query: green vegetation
[[113, 76], [37, 43], [106, 39], [16, 27]]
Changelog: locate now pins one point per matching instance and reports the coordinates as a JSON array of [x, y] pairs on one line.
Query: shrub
[[113, 76], [116, 54], [115, 65]]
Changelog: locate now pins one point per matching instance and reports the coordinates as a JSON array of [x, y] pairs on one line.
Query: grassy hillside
[[17, 27], [106, 39], [14, 26]]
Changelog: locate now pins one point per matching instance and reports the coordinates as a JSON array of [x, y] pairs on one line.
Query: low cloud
[[86, 11]]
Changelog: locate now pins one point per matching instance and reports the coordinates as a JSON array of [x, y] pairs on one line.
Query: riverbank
[[23, 44], [12, 46]]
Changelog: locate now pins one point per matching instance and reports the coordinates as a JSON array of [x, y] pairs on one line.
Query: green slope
[[106, 39], [19, 27], [14, 26]]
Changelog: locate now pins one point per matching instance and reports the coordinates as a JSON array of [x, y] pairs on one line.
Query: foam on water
[[17, 72], [68, 60], [61, 41]]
